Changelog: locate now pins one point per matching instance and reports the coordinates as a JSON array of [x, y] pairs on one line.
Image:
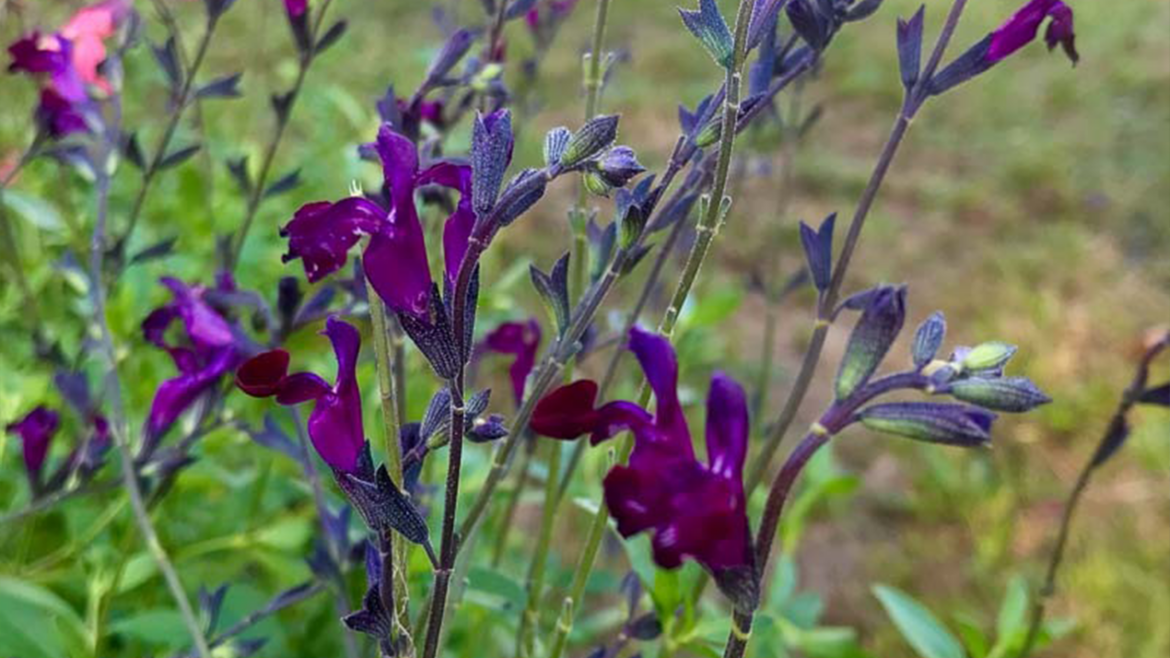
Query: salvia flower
[[335, 424], [1017, 32], [296, 8], [321, 233], [208, 351], [521, 340], [36, 432], [694, 510], [1023, 27]]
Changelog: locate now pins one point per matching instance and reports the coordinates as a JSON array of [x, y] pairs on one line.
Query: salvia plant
[[396, 271]]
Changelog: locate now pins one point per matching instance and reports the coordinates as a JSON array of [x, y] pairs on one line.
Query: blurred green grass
[[1030, 205]]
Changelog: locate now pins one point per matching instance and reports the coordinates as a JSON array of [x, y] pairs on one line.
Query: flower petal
[[322, 233], [727, 428], [335, 425], [301, 387], [205, 327], [176, 395], [456, 234], [36, 432], [658, 361], [521, 339], [567, 412], [262, 375]]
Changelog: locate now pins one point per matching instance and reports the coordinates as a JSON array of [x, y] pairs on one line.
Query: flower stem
[[314, 478], [708, 226], [282, 119], [1117, 424], [530, 619], [914, 99], [119, 428], [154, 166], [388, 366]]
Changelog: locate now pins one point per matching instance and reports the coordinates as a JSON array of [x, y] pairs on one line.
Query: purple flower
[[335, 425], [36, 432], [208, 351], [321, 233], [58, 116], [296, 8], [694, 510], [1022, 28], [522, 340]]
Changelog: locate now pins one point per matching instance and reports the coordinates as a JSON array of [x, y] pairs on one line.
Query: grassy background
[[1029, 206]]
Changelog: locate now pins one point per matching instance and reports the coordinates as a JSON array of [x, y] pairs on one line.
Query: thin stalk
[[530, 620], [160, 152], [513, 503], [119, 428], [913, 102], [707, 228], [257, 193], [1117, 426], [392, 415], [306, 591]]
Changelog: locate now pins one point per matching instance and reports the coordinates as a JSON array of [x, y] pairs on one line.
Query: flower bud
[[880, 323], [928, 339], [992, 356], [596, 184], [619, 166], [593, 138], [952, 424], [1013, 394]]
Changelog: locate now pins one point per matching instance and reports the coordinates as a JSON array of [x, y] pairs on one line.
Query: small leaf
[[1158, 395], [910, 47], [989, 356], [155, 251], [331, 37], [553, 289], [709, 27], [37, 211], [1115, 437], [132, 150], [226, 87], [818, 250], [286, 183], [178, 157], [281, 104], [167, 57], [928, 637], [239, 172]]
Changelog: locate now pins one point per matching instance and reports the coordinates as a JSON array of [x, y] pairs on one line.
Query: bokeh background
[[1030, 206]]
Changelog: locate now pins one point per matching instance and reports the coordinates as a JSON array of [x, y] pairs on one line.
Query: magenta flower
[[694, 510], [321, 233], [335, 425], [296, 8], [36, 432], [1022, 28], [522, 340], [208, 351]]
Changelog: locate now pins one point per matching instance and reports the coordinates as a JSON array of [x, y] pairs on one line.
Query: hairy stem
[[392, 415]]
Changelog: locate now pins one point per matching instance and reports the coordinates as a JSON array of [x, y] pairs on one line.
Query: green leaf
[[1012, 624], [38, 212], [489, 581], [36, 622], [924, 632], [159, 627]]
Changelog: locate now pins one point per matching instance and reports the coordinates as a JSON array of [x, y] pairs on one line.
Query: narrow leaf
[[924, 632]]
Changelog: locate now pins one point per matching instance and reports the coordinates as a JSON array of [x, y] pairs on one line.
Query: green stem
[[530, 620], [513, 503], [392, 415], [119, 428]]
